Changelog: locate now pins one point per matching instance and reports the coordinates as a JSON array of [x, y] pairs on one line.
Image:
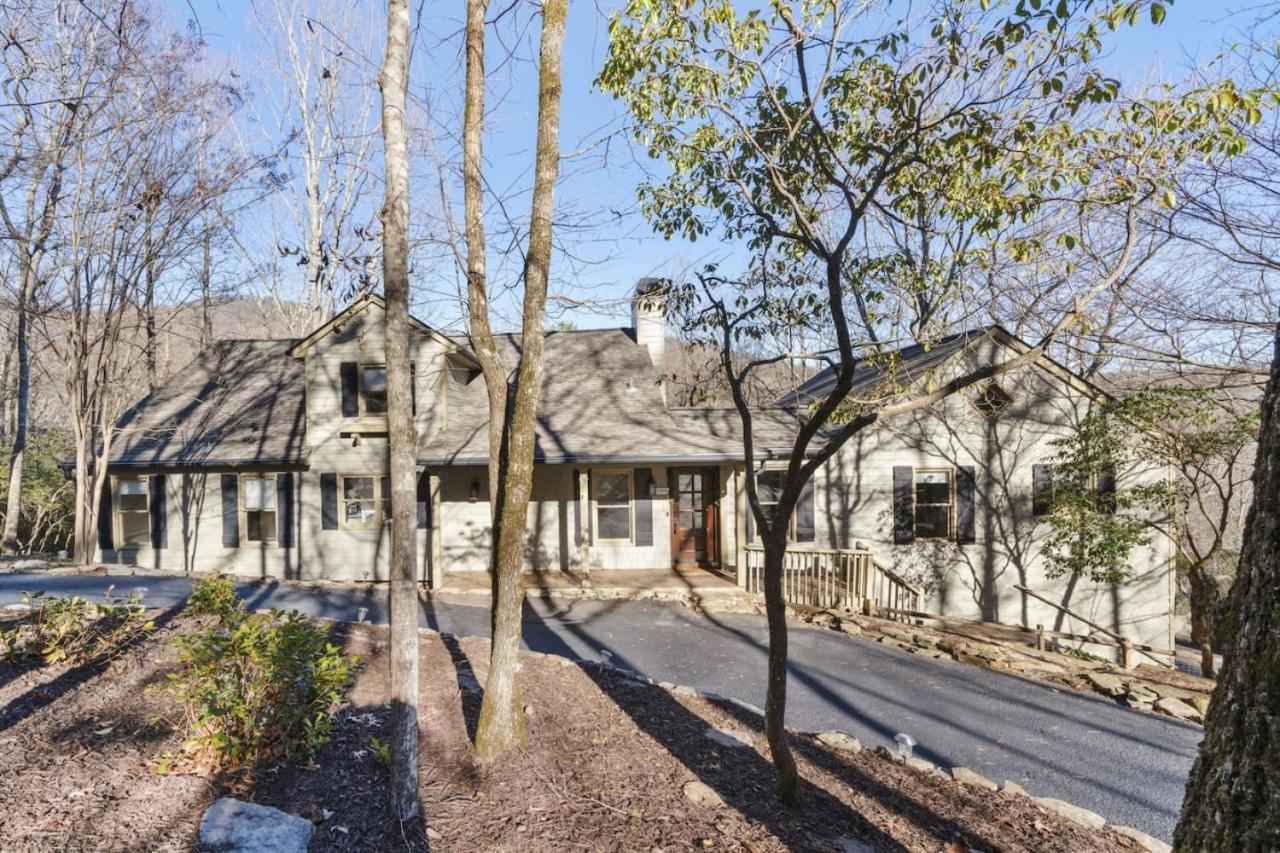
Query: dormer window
[[373, 389]]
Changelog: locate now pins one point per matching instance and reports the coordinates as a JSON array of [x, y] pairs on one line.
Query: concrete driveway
[[1128, 766]]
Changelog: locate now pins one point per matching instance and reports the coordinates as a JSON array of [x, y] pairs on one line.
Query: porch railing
[[840, 578]]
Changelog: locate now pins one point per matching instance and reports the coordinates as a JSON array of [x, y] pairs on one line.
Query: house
[[269, 458]]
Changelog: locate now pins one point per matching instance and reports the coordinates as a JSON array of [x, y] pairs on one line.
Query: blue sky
[[623, 250]]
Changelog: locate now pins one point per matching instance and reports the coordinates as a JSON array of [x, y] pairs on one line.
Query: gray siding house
[[269, 458]]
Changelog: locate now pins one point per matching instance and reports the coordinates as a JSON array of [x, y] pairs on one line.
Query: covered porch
[[606, 583]]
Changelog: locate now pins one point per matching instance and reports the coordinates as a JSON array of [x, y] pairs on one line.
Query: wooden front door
[[693, 516]]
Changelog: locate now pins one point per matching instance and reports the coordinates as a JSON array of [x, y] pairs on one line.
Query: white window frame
[[380, 502], [596, 473], [244, 510], [360, 391], [118, 510], [950, 504], [791, 525]]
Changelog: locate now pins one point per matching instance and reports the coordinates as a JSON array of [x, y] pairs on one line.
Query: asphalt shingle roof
[[600, 401], [237, 402]]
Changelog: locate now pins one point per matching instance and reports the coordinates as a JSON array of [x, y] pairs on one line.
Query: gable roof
[[362, 303], [915, 361], [238, 402]]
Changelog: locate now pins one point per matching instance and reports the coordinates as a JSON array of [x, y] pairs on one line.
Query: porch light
[[355, 440], [906, 743], [474, 494]]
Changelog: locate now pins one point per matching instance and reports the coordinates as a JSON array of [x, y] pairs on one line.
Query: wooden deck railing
[[828, 577]]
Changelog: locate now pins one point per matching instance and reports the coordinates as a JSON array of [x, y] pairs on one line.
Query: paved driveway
[[1128, 766]]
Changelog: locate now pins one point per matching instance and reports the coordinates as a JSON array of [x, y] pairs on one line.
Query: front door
[[693, 516]]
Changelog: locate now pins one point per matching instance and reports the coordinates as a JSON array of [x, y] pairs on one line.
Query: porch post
[[740, 511], [437, 533], [584, 522]]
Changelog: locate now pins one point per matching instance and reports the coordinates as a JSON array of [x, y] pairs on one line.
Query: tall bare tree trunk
[[775, 706], [1233, 795], [395, 276], [491, 366], [206, 285], [17, 451], [501, 725]]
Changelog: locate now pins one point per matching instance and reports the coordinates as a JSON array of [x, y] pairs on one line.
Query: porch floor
[[631, 581]]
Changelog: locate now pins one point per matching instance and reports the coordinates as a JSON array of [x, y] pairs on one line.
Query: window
[[613, 505], [258, 508], [769, 483], [933, 503], [133, 512], [364, 500], [373, 390]]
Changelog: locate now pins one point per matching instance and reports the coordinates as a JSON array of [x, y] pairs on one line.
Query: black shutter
[[805, 527], [751, 516], [105, 521], [230, 511], [384, 489], [159, 527], [328, 501], [965, 482], [577, 510], [1041, 489], [644, 506], [424, 500], [1107, 489], [904, 515], [284, 509], [349, 373], [413, 387]]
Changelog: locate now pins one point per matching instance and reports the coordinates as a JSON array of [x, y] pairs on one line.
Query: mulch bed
[[604, 770]]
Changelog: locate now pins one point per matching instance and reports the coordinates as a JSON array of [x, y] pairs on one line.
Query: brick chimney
[[649, 318]]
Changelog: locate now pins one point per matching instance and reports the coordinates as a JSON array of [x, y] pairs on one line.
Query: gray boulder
[[234, 826]]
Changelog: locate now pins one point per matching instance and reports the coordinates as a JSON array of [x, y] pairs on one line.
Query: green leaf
[[1157, 14]]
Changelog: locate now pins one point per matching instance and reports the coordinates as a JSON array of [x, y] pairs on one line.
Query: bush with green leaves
[[215, 595], [74, 630], [259, 687]]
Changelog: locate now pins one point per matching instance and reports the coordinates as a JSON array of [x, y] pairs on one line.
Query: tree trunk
[[501, 724], [1202, 597], [775, 704], [400, 427], [1232, 800], [206, 287], [17, 451], [491, 366]]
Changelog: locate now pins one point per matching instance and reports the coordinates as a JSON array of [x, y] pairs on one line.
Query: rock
[[853, 629], [29, 565], [1179, 709], [840, 742], [1071, 812], [234, 826], [965, 776], [685, 691], [702, 794], [1165, 691], [1012, 787], [1105, 683], [729, 737], [845, 844], [1140, 697], [885, 752], [823, 620], [1151, 845], [915, 762], [1200, 702]]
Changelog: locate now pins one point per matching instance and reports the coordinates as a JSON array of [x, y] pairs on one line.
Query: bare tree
[[54, 58], [394, 82], [318, 86], [512, 412]]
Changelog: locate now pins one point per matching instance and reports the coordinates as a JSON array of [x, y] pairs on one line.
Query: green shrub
[[259, 687], [73, 630], [215, 594]]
